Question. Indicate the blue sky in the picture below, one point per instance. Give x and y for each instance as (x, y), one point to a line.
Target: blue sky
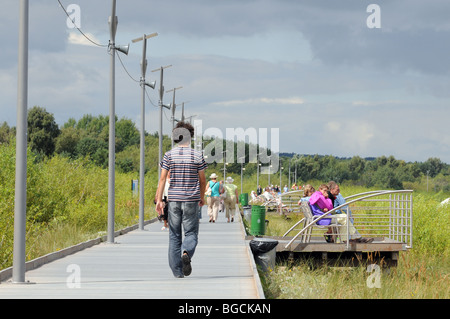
(312, 69)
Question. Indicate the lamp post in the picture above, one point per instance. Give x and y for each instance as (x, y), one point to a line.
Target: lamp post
(224, 165)
(112, 121)
(173, 108)
(257, 169)
(20, 208)
(142, 142)
(182, 111)
(289, 183)
(161, 105)
(270, 165)
(242, 169)
(281, 169)
(296, 173)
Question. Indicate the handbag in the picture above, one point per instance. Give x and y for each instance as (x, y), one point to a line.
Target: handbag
(209, 190)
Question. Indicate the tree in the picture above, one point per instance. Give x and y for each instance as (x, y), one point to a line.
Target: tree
(42, 131)
(6, 133)
(67, 141)
(433, 165)
(356, 167)
(386, 177)
(126, 134)
(96, 149)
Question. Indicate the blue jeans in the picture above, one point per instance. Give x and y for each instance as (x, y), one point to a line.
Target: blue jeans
(182, 214)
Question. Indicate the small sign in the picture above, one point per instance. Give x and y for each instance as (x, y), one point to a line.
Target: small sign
(135, 186)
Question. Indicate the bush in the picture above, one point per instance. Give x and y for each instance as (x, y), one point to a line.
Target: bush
(64, 194)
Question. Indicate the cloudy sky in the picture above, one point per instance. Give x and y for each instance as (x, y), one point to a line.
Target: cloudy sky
(331, 76)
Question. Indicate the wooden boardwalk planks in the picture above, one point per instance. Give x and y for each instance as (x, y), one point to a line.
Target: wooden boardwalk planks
(136, 266)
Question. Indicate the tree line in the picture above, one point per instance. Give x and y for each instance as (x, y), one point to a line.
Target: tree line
(88, 138)
(385, 172)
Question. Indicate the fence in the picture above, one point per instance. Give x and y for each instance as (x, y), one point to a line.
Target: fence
(384, 215)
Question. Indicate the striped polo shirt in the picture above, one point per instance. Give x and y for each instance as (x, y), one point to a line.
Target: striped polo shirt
(184, 163)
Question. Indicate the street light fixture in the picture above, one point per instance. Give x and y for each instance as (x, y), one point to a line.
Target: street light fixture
(161, 105)
(112, 120)
(190, 118)
(142, 142)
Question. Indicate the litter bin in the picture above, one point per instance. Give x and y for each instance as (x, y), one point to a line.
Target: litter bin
(265, 253)
(248, 214)
(258, 221)
(243, 199)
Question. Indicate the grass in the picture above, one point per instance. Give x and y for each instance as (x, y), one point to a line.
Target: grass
(67, 203)
(58, 237)
(422, 272)
(414, 277)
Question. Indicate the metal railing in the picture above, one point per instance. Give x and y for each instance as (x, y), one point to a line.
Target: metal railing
(283, 203)
(387, 214)
(289, 202)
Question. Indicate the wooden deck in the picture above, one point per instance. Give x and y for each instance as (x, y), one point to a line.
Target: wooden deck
(136, 266)
(382, 250)
(320, 245)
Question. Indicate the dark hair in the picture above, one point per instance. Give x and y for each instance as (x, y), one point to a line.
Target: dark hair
(183, 132)
(332, 185)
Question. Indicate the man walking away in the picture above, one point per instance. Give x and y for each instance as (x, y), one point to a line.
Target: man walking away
(186, 192)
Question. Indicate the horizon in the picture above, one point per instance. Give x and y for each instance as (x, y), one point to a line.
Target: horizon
(279, 154)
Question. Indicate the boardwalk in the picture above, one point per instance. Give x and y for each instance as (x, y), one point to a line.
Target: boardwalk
(136, 266)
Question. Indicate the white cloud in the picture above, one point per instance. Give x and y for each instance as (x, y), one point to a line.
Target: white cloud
(377, 103)
(262, 100)
(351, 136)
(79, 39)
(381, 92)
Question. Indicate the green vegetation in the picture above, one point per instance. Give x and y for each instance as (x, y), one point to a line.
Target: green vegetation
(423, 272)
(67, 202)
(414, 278)
(88, 137)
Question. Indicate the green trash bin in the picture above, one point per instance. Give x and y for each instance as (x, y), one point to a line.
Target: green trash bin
(243, 199)
(258, 221)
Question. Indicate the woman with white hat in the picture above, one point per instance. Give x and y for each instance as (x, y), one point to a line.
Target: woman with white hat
(231, 199)
(213, 192)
